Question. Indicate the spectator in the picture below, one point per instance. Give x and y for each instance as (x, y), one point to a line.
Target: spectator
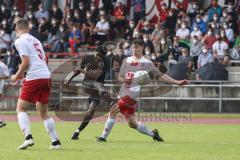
(148, 42)
(47, 4)
(229, 33)
(56, 13)
(176, 48)
(5, 25)
(171, 21)
(5, 40)
(215, 8)
(201, 24)
(120, 17)
(64, 34)
(94, 12)
(108, 6)
(4, 13)
(87, 28)
(178, 25)
(115, 70)
(68, 11)
(139, 9)
(209, 39)
(224, 37)
(30, 16)
(183, 33)
(157, 33)
(102, 29)
(195, 49)
(43, 29)
(41, 13)
(129, 30)
(186, 58)
(205, 57)
(192, 9)
(34, 29)
(11, 60)
(115, 59)
(204, 15)
(3, 75)
(127, 49)
(80, 14)
(118, 55)
(147, 28)
(196, 32)
(220, 48)
(232, 11)
(232, 24)
(148, 53)
(163, 14)
(76, 18)
(223, 19)
(137, 34)
(216, 19)
(184, 17)
(75, 38)
(53, 37)
(215, 28)
(163, 51)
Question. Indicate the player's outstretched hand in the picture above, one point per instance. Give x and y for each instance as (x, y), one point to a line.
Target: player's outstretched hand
(66, 84)
(183, 82)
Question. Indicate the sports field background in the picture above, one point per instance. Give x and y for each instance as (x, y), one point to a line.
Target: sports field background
(184, 141)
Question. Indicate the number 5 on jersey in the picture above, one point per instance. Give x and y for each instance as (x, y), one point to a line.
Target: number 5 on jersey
(39, 52)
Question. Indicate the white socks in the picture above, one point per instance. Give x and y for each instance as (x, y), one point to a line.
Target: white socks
(108, 127)
(24, 123)
(50, 127)
(144, 130)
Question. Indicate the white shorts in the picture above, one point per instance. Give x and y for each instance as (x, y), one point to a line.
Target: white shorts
(1, 86)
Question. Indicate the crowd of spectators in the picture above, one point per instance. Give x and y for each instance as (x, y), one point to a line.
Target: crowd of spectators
(195, 36)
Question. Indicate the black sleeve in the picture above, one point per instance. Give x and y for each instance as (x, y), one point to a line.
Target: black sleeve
(84, 62)
(102, 74)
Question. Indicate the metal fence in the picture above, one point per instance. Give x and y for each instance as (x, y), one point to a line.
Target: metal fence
(213, 84)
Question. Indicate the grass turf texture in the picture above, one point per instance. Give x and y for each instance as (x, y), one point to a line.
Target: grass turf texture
(183, 142)
(194, 115)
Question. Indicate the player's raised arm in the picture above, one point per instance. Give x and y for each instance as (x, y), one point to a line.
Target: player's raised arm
(76, 72)
(166, 78)
(121, 75)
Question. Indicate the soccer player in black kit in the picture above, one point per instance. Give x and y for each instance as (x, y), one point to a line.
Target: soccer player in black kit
(94, 68)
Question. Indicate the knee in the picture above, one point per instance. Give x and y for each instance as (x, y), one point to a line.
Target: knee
(44, 115)
(91, 111)
(20, 109)
(112, 114)
(132, 125)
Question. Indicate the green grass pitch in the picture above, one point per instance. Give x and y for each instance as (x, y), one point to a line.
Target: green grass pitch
(183, 142)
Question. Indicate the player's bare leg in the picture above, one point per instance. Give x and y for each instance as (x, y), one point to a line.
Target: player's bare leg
(87, 118)
(109, 123)
(142, 128)
(49, 125)
(24, 123)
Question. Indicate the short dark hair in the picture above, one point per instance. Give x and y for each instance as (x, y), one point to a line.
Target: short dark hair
(138, 42)
(22, 24)
(101, 51)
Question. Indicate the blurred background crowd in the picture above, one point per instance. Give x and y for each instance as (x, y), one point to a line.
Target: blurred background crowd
(194, 36)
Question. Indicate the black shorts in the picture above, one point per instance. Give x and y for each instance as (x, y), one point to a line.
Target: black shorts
(94, 89)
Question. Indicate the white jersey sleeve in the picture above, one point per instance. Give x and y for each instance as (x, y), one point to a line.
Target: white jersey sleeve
(21, 48)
